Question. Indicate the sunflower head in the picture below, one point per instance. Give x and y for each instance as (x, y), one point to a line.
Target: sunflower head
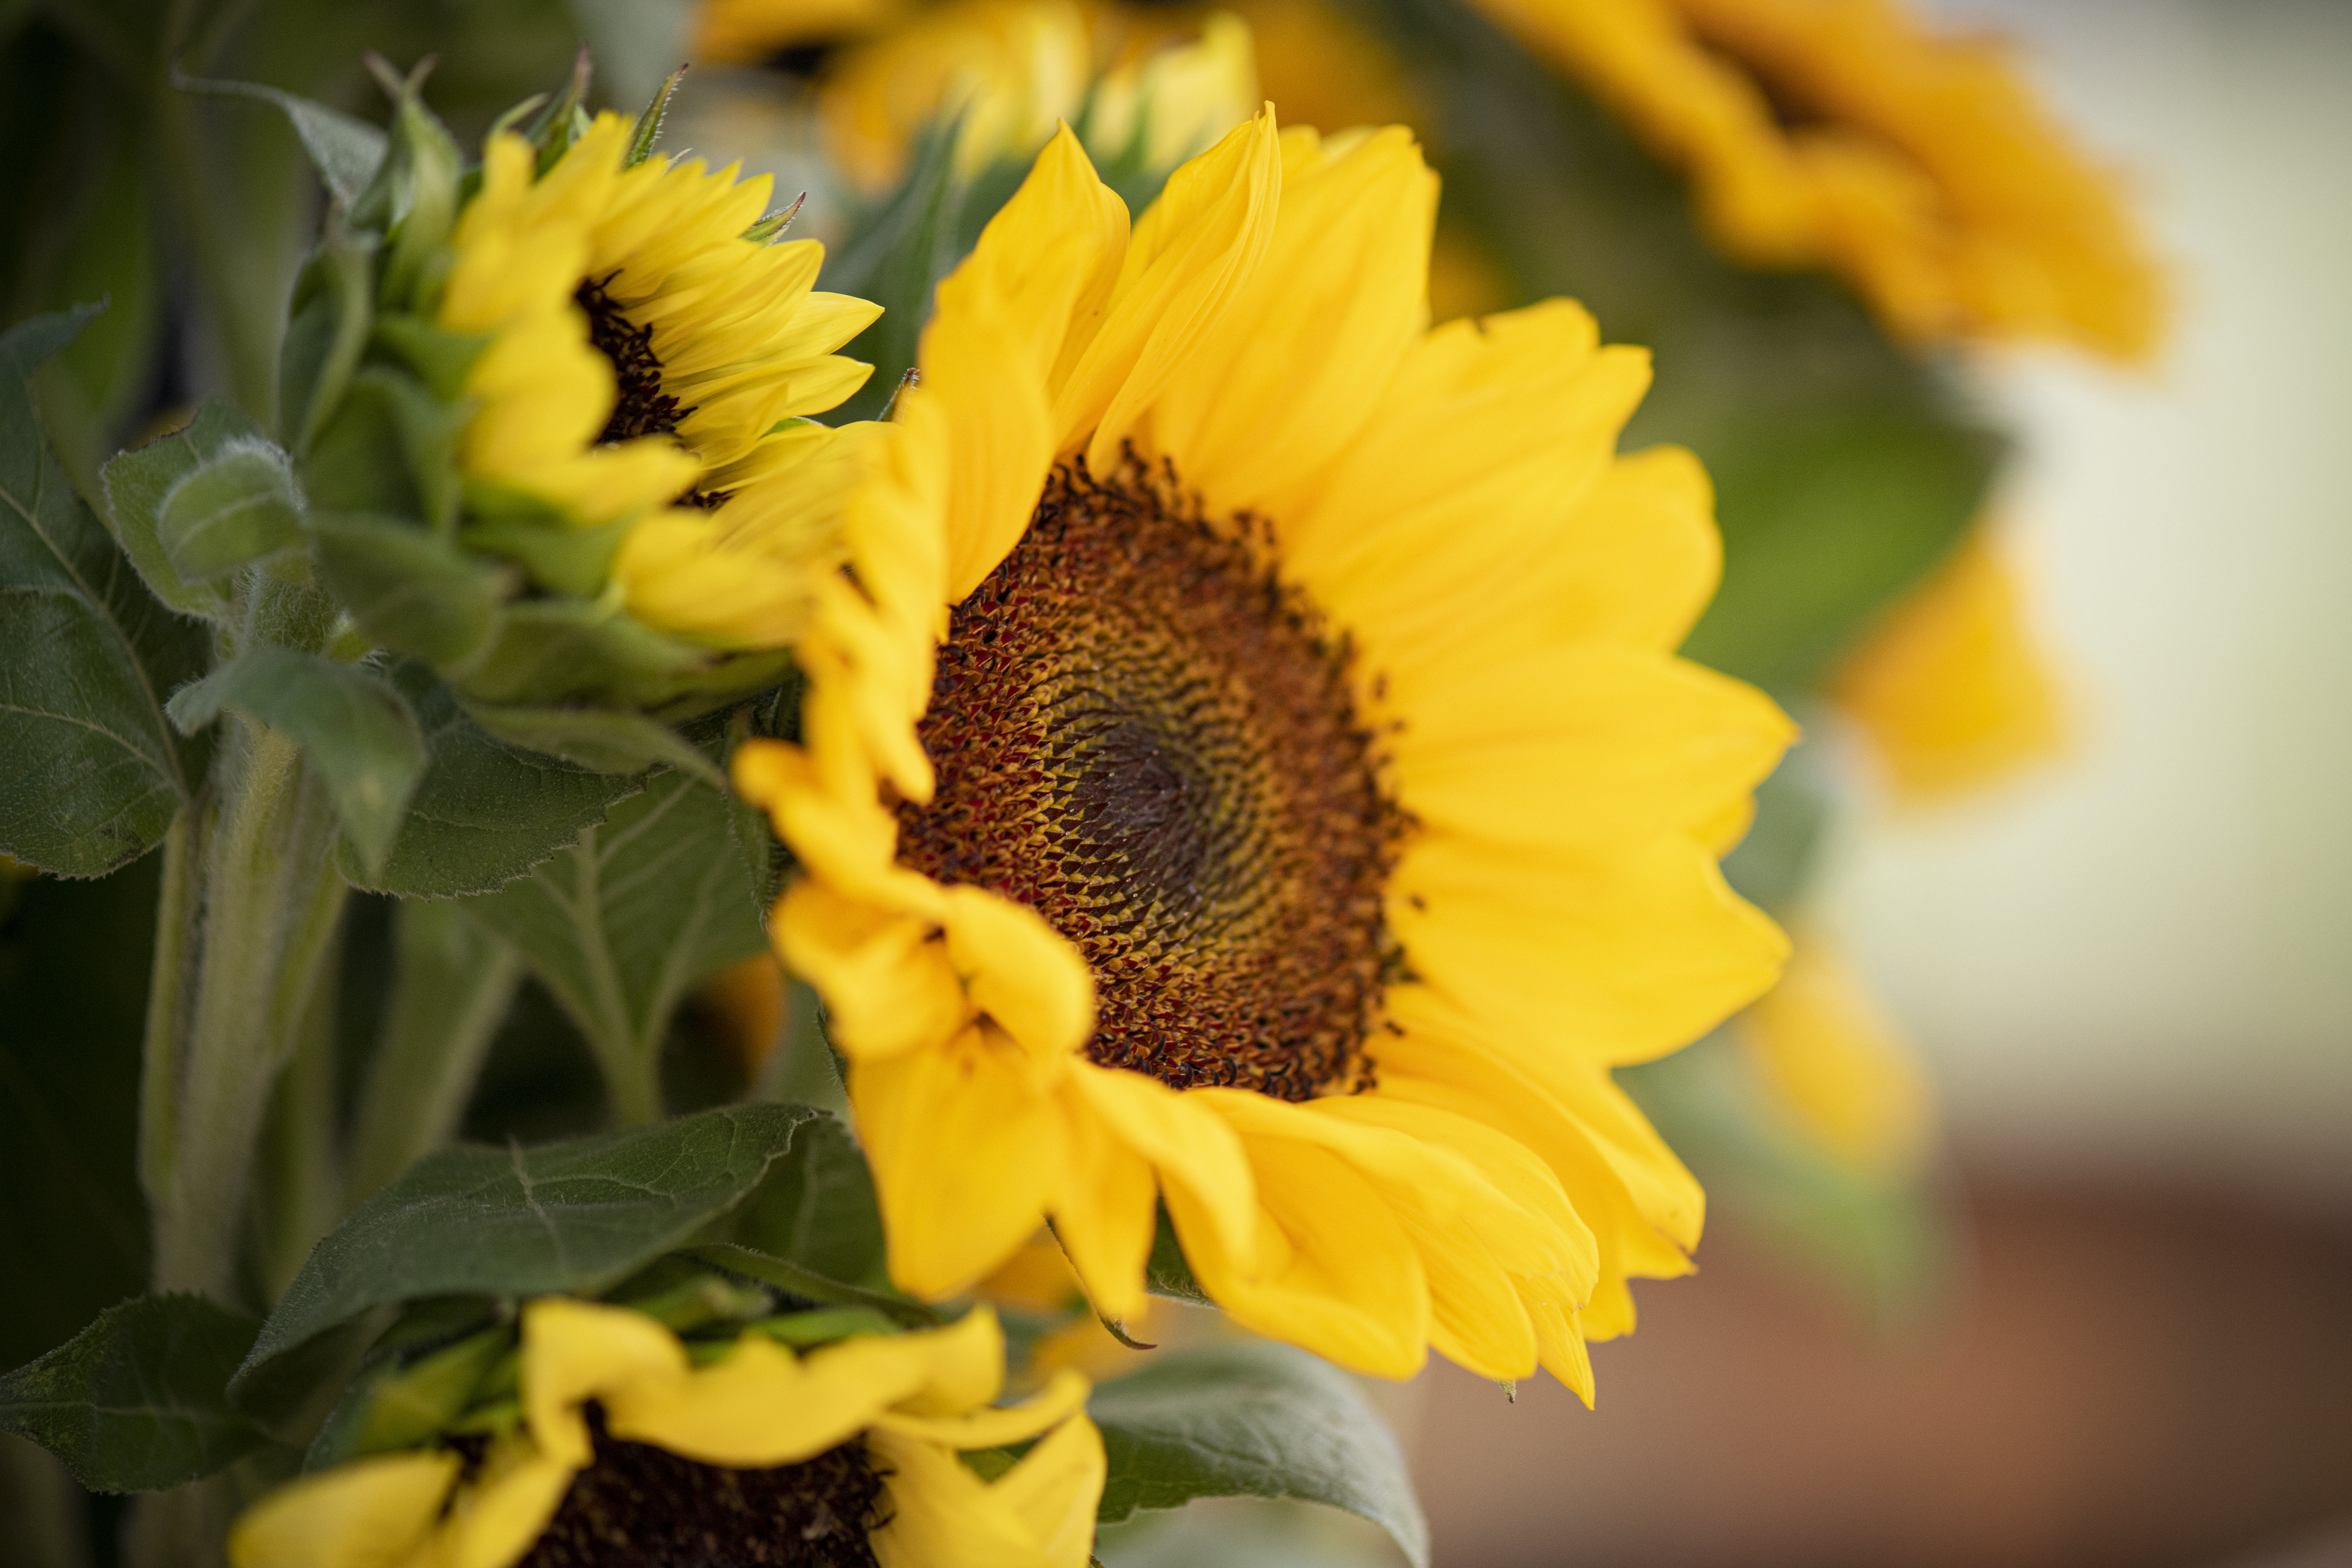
(1246, 772)
(570, 459)
(1843, 133)
(602, 1436)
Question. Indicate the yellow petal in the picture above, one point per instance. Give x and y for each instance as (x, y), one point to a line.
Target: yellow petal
(1104, 1213)
(573, 1352)
(885, 978)
(1063, 1395)
(761, 1406)
(370, 1514)
(1196, 247)
(967, 1151)
(1191, 1149)
(1021, 971)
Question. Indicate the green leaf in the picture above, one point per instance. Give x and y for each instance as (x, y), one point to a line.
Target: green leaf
(137, 1401)
(326, 329)
(345, 150)
(136, 483)
(817, 1209)
(412, 590)
(574, 1217)
(235, 507)
(1253, 1419)
(895, 255)
(645, 906)
(485, 812)
(603, 741)
(93, 775)
(1168, 1272)
(352, 727)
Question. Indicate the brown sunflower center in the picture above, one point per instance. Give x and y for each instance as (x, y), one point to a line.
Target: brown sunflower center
(1142, 735)
(640, 405)
(643, 1507)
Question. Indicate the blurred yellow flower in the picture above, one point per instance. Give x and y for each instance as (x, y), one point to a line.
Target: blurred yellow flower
(1848, 1083)
(621, 1432)
(647, 366)
(1840, 132)
(1310, 810)
(1951, 689)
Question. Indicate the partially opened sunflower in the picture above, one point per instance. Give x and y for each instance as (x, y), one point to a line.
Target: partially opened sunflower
(627, 1451)
(649, 362)
(1272, 791)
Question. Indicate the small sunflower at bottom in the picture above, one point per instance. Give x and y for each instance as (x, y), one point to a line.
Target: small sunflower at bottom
(1304, 810)
(633, 1447)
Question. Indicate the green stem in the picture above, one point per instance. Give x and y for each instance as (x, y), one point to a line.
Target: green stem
(270, 900)
(631, 1064)
(453, 983)
(300, 1194)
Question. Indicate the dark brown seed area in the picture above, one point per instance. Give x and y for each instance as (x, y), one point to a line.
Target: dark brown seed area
(642, 408)
(1143, 736)
(642, 1507)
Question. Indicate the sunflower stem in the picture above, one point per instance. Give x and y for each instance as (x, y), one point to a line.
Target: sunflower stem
(244, 939)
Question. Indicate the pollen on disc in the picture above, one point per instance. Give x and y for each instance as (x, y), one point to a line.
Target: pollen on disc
(1143, 735)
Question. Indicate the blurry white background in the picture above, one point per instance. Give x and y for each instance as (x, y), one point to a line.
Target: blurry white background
(2140, 959)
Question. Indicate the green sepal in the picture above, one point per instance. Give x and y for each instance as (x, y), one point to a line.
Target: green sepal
(414, 196)
(602, 739)
(404, 1402)
(561, 555)
(441, 358)
(359, 460)
(136, 482)
(1252, 1419)
(426, 430)
(352, 727)
(895, 255)
(685, 1296)
(823, 1326)
(556, 127)
(550, 651)
(413, 591)
(647, 130)
(326, 329)
(237, 506)
(1168, 1272)
(138, 1400)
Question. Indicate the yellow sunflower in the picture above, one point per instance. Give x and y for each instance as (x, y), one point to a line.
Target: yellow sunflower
(649, 368)
(1272, 791)
(846, 1455)
(1839, 133)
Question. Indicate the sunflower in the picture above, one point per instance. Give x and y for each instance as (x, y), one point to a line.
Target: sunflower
(846, 1455)
(1839, 133)
(1135, 86)
(1304, 809)
(648, 363)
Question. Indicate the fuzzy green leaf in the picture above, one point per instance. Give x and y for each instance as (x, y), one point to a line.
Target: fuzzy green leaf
(411, 589)
(352, 727)
(138, 1400)
(485, 812)
(237, 506)
(577, 1217)
(817, 1209)
(602, 739)
(90, 773)
(343, 149)
(643, 907)
(1253, 1419)
(137, 482)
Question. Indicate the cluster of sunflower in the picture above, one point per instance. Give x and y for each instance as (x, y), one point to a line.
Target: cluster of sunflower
(746, 868)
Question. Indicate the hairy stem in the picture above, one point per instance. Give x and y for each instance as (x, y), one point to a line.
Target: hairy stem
(268, 897)
(453, 983)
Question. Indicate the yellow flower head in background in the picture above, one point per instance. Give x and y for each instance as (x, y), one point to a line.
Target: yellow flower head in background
(622, 1431)
(1309, 811)
(649, 367)
(1013, 69)
(1838, 132)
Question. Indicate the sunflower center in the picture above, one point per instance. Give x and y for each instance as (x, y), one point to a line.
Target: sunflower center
(640, 405)
(637, 1506)
(1142, 735)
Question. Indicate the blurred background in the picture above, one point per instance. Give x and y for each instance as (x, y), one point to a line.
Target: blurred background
(2129, 969)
